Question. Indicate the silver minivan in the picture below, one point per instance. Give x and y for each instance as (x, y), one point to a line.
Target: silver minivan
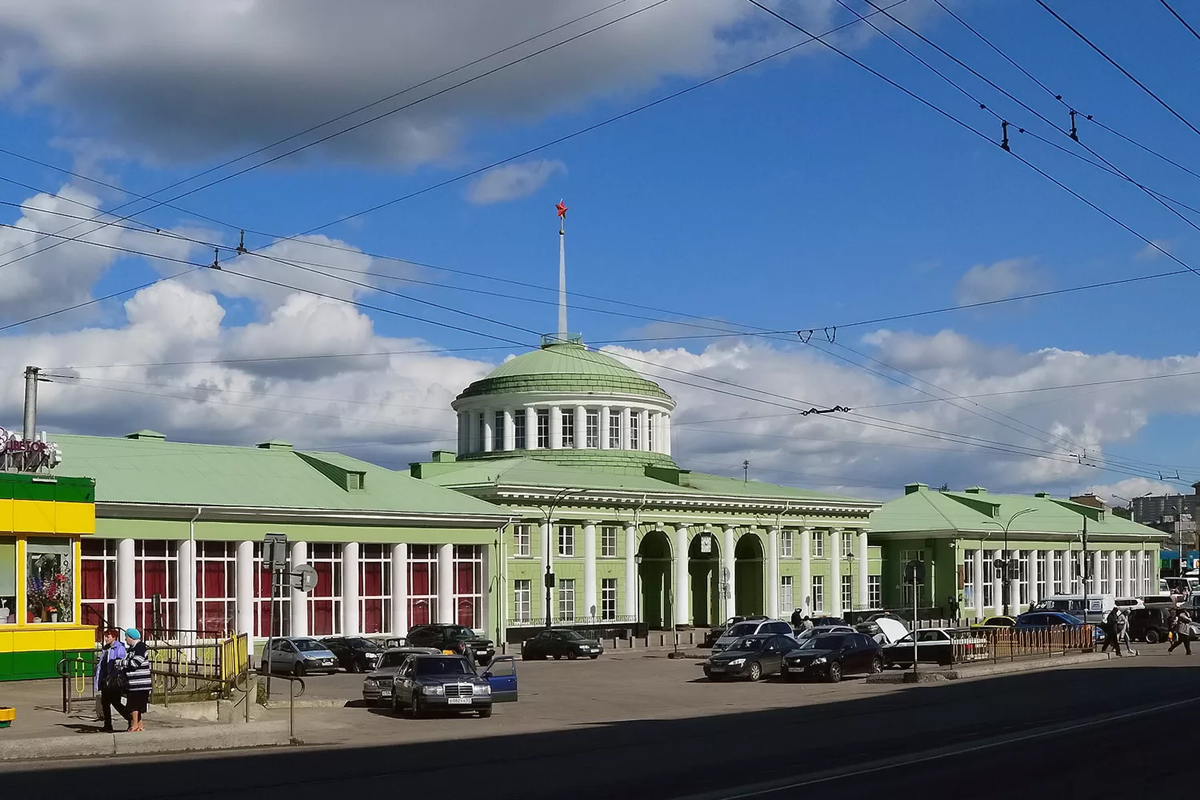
(751, 627)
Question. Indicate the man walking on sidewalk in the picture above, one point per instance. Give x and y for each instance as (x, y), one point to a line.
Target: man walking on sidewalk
(109, 681)
(1183, 632)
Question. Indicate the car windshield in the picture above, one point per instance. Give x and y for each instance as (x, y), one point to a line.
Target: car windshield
(443, 666)
(743, 629)
(749, 643)
(308, 645)
(569, 635)
(393, 659)
(460, 632)
(360, 644)
(823, 643)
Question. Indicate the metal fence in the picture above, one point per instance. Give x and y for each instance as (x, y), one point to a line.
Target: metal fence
(1009, 644)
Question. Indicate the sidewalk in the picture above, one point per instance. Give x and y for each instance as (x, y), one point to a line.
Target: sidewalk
(983, 669)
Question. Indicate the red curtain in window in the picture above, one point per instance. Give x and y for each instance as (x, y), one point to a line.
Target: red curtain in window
(418, 612)
(370, 583)
(466, 611)
(210, 581)
(320, 621)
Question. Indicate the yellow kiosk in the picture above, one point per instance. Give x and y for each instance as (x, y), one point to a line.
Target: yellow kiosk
(42, 518)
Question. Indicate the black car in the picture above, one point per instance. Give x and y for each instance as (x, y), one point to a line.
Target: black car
(560, 643)
(820, 621)
(426, 683)
(750, 657)
(452, 638)
(354, 653)
(832, 655)
(1150, 625)
(718, 631)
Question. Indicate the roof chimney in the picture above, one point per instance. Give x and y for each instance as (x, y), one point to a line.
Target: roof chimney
(913, 488)
(975, 490)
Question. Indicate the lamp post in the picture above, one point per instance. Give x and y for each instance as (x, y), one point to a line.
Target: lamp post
(637, 559)
(1005, 562)
(549, 514)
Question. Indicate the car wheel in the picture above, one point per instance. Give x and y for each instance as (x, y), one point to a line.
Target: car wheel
(571, 656)
(1151, 636)
(298, 670)
(484, 713)
(835, 672)
(755, 671)
(417, 711)
(876, 665)
(262, 668)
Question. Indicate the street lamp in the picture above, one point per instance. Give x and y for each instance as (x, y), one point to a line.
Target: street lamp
(549, 513)
(637, 624)
(1005, 563)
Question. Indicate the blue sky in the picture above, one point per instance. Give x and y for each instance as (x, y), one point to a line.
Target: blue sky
(803, 193)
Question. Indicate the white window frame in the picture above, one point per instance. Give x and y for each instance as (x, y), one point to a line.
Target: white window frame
(968, 579)
(787, 593)
(989, 569)
(1105, 574)
(469, 554)
(371, 553)
(608, 598)
(543, 428)
(818, 593)
(567, 429)
(519, 432)
(108, 601)
(818, 544)
(614, 430)
(335, 591)
(522, 600)
(634, 438)
(566, 600)
(608, 541)
(847, 593)
(592, 426)
(566, 541)
(498, 431)
(224, 553)
(874, 591)
(785, 544)
(847, 543)
(522, 539)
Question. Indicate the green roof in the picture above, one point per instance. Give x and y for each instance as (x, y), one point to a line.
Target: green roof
(564, 366)
(921, 511)
(154, 471)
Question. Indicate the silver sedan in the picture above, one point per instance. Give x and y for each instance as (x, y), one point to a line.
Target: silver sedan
(377, 686)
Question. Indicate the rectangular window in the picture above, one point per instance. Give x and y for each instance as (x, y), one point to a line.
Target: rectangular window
(498, 431)
(875, 591)
(818, 593)
(1119, 578)
(847, 543)
(268, 622)
(1023, 577)
(49, 581)
(1056, 571)
(787, 599)
(593, 430)
(568, 428)
(566, 600)
(522, 597)
(374, 588)
(468, 585)
(1043, 574)
(608, 541)
(905, 557)
(608, 598)
(614, 430)
(521, 539)
(1105, 575)
(650, 433)
(8, 581)
(422, 583)
(97, 582)
(480, 425)
(543, 430)
(1076, 574)
(785, 544)
(968, 579)
(989, 589)
(818, 544)
(634, 421)
(216, 592)
(847, 593)
(519, 430)
(156, 572)
(1135, 574)
(566, 541)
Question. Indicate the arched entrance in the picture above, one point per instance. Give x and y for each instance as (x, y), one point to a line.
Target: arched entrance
(748, 575)
(704, 566)
(654, 573)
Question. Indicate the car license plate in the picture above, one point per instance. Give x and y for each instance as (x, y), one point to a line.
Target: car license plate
(716, 669)
(385, 692)
(459, 701)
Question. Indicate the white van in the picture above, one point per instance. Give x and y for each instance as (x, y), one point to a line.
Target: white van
(1098, 605)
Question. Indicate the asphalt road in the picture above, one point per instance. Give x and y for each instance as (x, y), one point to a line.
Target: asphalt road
(1037, 733)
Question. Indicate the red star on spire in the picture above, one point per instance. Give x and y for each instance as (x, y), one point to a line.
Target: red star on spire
(562, 209)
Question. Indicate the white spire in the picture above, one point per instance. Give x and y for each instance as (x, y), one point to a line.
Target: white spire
(562, 271)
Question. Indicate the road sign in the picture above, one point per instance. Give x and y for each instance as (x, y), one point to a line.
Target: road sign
(275, 551)
(304, 578)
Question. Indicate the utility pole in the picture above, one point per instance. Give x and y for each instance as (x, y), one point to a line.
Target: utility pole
(1085, 569)
(31, 382)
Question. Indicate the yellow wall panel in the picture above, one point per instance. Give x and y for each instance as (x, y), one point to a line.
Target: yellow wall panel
(75, 639)
(28, 640)
(34, 516)
(75, 518)
(6, 516)
(6, 641)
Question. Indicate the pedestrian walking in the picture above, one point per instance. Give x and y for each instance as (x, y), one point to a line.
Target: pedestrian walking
(954, 607)
(108, 682)
(807, 623)
(1110, 631)
(797, 619)
(1123, 631)
(137, 672)
(1183, 632)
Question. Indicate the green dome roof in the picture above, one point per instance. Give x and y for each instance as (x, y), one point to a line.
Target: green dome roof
(564, 367)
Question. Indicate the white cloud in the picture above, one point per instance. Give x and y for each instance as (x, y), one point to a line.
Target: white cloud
(513, 181)
(1130, 488)
(1158, 248)
(1003, 279)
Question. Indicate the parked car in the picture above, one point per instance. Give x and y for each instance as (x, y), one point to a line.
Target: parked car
(883, 628)
(715, 633)
(298, 655)
(354, 653)
(751, 627)
(560, 643)
(450, 638)
(429, 683)
(1040, 620)
(823, 621)
(1128, 604)
(1098, 605)
(933, 645)
(996, 622)
(750, 657)
(1150, 625)
(832, 655)
(824, 629)
(377, 686)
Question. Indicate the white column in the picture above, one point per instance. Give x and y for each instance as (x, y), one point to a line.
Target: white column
(589, 569)
(626, 414)
(555, 428)
(399, 589)
(510, 429)
(445, 584)
(980, 611)
(489, 432)
(547, 565)
(1127, 574)
(728, 547)
(473, 443)
(126, 586)
(1034, 566)
(299, 604)
(806, 535)
(682, 599)
(773, 572)
(643, 430)
(666, 448)
(580, 429)
(997, 584)
(652, 437)
(1112, 572)
(1095, 587)
(244, 590)
(531, 431)
(605, 414)
(631, 577)
(835, 572)
(350, 621)
(463, 442)
(1144, 587)
(187, 601)
(863, 557)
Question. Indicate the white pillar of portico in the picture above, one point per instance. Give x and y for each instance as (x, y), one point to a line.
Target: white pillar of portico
(666, 435)
(350, 621)
(547, 566)
(977, 559)
(580, 430)
(510, 429)
(399, 589)
(1035, 565)
(126, 587)
(806, 535)
(863, 558)
(1127, 574)
(244, 590)
(489, 434)
(555, 428)
(682, 599)
(727, 557)
(186, 555)
(531, 430)
(463, 429)
(773, 571)
(631, 577)
(652, 437)
(1112, 572)
(643, 429)
(835, 572)
(299, 599)
(589, 569)
(1095, 587)
(445, 584)
(626, 415)
(605, 415)
(997, 584)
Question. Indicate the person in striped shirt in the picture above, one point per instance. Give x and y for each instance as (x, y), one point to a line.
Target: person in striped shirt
(137, 671)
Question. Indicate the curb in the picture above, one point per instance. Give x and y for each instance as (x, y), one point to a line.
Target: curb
(984, 671)
(315, 702)
(178, 740)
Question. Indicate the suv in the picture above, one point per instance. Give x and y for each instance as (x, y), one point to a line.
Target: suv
(452, 638)
(1150, 625)
(715, 632)
(354, 653)
(751, 627)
